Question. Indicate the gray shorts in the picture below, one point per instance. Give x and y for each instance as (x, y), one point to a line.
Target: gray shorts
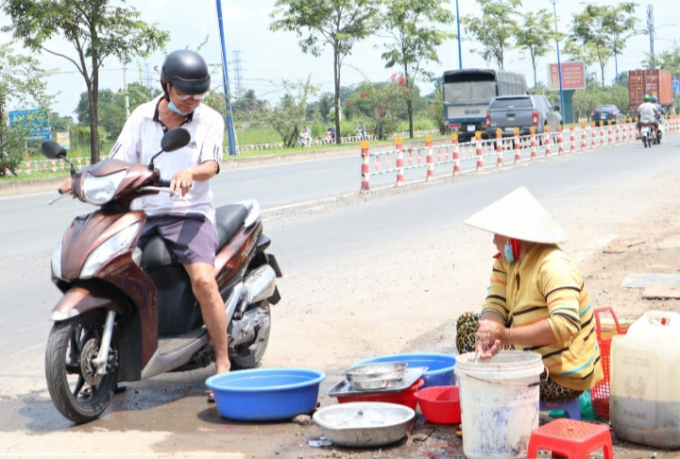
(192, 237)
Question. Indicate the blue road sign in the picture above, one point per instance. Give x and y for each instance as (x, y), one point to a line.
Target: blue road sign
(37, 121)
(676, 87)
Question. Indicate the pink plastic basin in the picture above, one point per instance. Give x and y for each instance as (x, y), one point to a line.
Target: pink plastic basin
(440, 404)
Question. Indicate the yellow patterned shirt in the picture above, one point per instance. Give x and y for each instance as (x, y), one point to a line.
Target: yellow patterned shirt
(547, 285)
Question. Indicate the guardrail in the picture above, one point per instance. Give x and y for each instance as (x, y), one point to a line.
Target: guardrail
(489, 153)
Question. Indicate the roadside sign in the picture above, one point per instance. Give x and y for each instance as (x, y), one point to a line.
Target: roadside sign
(676, 87)
(63, 139)
(37, 121)
(573, 76)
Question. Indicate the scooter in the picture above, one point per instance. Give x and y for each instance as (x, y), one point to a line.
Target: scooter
(129, 314)
(660, 130)
(645, 133)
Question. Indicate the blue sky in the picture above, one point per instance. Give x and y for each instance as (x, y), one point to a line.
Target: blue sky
(266, 56)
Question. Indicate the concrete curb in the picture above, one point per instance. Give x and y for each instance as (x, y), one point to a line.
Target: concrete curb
(51, 184)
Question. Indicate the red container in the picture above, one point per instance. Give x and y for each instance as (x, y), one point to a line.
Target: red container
(405, 397)
(653, 82)
(440, 404)
(599, 395)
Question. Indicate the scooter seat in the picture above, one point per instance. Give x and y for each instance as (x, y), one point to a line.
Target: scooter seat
(228, 220)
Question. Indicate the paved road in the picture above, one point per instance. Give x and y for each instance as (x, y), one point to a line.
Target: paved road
(306, 243)
(30, 218)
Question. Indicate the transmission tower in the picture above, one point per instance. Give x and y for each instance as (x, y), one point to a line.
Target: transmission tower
(147, 75)
(650, 30)
(237, 74)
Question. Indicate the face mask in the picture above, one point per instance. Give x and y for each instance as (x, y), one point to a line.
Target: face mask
(508, 253)
(172, 107)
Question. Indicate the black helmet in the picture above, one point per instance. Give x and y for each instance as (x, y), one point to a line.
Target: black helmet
(187, 71)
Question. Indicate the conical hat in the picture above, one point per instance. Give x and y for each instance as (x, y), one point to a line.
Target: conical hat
(520, 216)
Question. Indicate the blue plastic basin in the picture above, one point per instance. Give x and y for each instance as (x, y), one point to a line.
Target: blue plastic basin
(267, 394)
(439, 366)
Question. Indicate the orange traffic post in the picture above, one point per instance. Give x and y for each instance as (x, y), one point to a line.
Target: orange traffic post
(584, 138)
(572, 139)
(456, 154)
(499, 147)
(560, 140)
(430, 162)
(532, 130)
(547, 141)
(478, 143)
(365, 167)
(518, 153)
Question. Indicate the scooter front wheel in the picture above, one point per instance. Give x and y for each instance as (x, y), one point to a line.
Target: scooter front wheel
(78, 392)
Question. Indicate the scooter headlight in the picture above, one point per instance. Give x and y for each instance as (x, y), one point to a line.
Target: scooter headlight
(99, 190)
(56, 261)
(111, 247)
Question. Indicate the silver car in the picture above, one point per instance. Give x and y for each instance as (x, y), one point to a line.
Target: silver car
(524, 112)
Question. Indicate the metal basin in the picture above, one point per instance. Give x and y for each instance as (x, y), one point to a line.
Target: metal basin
(364, 424)
(373, 376)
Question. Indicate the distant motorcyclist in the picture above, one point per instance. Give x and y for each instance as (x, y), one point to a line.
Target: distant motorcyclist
(658, 106)
(648, 112)
(360, 131)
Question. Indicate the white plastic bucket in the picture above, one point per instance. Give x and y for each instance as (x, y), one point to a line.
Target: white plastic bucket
(499, 403)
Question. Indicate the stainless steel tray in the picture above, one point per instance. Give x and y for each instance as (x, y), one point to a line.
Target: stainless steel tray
(344, 388)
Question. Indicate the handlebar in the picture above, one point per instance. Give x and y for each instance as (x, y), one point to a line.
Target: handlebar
(165, 183)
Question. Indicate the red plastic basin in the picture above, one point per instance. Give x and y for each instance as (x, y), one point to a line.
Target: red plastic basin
(407, 397)
(440, 404)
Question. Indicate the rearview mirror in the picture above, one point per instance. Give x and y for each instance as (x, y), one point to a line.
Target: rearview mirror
(557, 108)
(53, 150)
(175, 139)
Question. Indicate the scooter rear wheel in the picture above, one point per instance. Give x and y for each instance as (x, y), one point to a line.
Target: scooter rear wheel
(76, 390)
(248, 355)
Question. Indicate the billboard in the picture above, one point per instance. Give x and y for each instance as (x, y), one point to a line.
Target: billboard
(36, 120)
(64, 139)
(573, 76)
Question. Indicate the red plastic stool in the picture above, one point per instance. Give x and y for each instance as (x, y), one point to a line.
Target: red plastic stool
(574, 439)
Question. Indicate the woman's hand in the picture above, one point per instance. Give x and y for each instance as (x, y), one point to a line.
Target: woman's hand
(491, 336)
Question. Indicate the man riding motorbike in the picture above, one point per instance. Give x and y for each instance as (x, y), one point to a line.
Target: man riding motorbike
(648, 112)
(185, 219)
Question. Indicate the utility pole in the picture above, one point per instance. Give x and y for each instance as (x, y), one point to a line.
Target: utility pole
(237, 71)
(125, 90)
(460, 50)
(650, 30)
(559, 64)
(225, 78)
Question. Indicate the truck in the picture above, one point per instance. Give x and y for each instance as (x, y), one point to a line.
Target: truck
(468, 92)
(654, 82)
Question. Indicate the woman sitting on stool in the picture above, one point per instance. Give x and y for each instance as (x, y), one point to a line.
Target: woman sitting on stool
(537, 300)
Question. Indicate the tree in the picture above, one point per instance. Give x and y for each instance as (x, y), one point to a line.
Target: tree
(382, 103)
(435, 112)
(290, 116)
(337, 23)
(22, 83)
(60, 123)
(111, 107)
(537, 36)
(605, 30)
(414, 40)
(495, 29)
(668, 60)
(96, 29)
